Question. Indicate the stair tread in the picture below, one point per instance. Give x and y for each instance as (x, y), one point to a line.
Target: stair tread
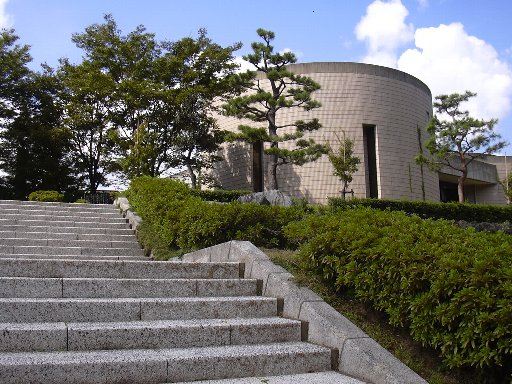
(196, 353)
(146, 323)
(330, 377)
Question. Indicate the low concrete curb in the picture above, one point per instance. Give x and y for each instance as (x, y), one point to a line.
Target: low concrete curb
(127, 212)
(359, 355)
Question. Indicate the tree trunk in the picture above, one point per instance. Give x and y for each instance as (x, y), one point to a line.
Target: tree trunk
(463, 175)
(460, 185)
(193, 178)
(272, 130)
(273, 173)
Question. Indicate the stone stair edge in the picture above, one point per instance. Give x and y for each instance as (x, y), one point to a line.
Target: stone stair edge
(154, 334)
(50, 204)
(163, 365)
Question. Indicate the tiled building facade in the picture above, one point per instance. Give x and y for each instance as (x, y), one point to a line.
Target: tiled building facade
(383, 110)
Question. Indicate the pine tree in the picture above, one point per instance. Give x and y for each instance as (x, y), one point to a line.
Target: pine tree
(263, 101)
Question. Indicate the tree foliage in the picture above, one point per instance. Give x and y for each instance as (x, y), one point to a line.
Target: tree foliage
(157, 99)
(263, 100)
(457, 139)
(202, 72)
(33, 145)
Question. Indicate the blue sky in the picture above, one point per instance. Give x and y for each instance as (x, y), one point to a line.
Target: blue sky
(451, 45)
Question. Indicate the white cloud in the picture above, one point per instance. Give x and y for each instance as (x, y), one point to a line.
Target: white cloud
(244, 65)
(298, 54)
(5, 19)
(449, 60)
(384, 30)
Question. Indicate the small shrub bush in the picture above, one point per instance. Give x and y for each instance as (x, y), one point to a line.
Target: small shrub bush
(432, 210)
(451, 286)
(175, 218)
(46, 196)
(81, 201)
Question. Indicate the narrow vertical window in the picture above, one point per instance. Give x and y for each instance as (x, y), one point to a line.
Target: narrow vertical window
(370, 155)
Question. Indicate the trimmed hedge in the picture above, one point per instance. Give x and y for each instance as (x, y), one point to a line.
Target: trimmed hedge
(219, 195)
(432, 210)
(46, 196)
(175, 219)
(451, 286)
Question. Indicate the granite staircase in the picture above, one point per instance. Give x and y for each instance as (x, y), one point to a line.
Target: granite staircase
(80, 303)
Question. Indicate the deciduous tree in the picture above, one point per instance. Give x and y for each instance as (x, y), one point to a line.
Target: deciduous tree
(87, 100)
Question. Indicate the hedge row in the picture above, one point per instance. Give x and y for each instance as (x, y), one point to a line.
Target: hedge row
(432, 210)
(451, 286)
(46, 196)
(175, 219)
(219, 195)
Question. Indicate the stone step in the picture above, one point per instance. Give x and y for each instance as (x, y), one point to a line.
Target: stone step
(38, 337)
(71, 218)
(303, 378)
(48, 250)
(6, 224)
(129, 237)
(27, 287)
(71, 257)
(124, 230)
(45, 212)
(37, 310)
(162, 365)
(15, 267)
(9, 241)
(55, 206)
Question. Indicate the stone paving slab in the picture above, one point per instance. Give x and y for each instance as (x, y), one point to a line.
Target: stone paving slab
(60, 336)
(54, 250)
(114, 214)
(128, 238)
(27, 215)
(59, 243)
(163, 365)
(49, 229)
(28, 287)
(26, 310)
(15, 267)
(71, 207)
(9, 223)
(38, 256)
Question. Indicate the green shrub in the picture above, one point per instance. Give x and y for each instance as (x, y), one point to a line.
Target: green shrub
(81, 201)
(432, 210)
(175, 218)
(47, 196)
(452, 287)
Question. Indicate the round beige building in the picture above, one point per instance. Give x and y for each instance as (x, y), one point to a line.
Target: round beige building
(383, 110)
